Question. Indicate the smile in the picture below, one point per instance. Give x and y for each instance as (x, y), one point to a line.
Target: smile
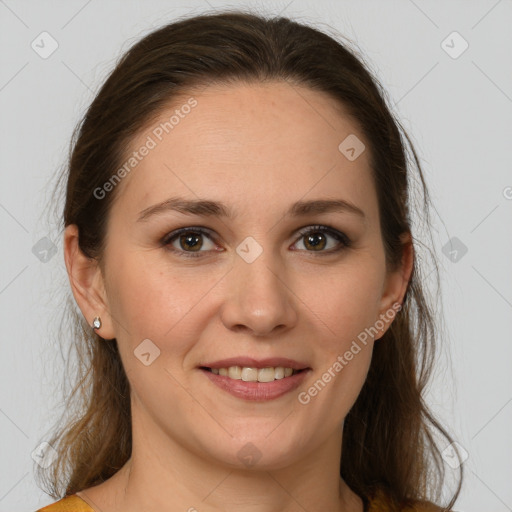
(245, 384)
(248, 374)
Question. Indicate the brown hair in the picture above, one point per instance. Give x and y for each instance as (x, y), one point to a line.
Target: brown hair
(388, 439)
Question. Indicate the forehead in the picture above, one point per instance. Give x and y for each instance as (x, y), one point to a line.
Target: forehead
(263, 143)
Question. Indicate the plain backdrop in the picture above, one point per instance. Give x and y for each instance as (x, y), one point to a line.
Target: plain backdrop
(447, 67)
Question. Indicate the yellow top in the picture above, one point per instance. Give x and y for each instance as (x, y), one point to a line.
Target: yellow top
(71, 503)
(380, 503)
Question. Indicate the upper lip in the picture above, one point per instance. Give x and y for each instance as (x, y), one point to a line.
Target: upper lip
(256, 363)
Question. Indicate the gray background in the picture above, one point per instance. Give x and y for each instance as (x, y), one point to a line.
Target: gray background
(457, 111)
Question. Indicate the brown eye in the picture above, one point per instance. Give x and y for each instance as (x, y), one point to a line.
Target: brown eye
(188, 242)
(316, 239)
(191, 241)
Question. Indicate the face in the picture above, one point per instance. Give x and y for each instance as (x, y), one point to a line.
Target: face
(266, 281)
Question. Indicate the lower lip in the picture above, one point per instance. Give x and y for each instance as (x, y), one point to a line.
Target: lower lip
(260, 391)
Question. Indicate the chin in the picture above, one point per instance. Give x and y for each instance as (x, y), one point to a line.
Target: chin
(260, 451)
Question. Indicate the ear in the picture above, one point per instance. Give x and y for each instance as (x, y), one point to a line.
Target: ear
(87, 283)
(395, 286)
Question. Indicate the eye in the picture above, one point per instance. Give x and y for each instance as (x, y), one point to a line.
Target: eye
(188, 242)
(316, 237)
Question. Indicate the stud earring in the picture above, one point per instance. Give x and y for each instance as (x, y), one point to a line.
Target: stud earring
(96, 323)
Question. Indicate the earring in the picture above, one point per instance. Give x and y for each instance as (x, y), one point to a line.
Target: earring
(96, 324)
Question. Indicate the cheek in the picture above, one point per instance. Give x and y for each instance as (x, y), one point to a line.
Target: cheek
(169, 307)
(336, 385)
(344, 308)
(147, 301)
(343, 304)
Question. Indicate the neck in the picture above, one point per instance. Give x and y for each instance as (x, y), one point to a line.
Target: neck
(164, 475)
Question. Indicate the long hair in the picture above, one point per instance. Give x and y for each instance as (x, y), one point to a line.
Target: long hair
(389, 434)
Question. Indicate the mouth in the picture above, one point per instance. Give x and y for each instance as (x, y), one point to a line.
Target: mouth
(256, 384)
(252, 374)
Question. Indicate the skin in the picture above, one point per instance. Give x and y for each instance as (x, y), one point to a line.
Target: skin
(258, 148)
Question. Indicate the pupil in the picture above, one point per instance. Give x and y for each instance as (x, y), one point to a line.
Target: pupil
(311, 238)
(189, 240)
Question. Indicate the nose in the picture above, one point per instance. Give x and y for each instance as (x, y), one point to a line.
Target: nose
(259, 300)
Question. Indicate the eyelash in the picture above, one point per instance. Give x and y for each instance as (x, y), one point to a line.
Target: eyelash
(339, 236)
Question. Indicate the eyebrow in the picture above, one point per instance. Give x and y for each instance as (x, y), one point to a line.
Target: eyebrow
(218, 209)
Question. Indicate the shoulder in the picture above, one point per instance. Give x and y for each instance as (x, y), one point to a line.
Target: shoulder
(71, 503)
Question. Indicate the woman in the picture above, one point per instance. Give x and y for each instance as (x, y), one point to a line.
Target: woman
(238, 240)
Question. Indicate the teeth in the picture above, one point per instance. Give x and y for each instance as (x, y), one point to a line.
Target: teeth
(279, 372)
(248, 374)
(235, 372)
